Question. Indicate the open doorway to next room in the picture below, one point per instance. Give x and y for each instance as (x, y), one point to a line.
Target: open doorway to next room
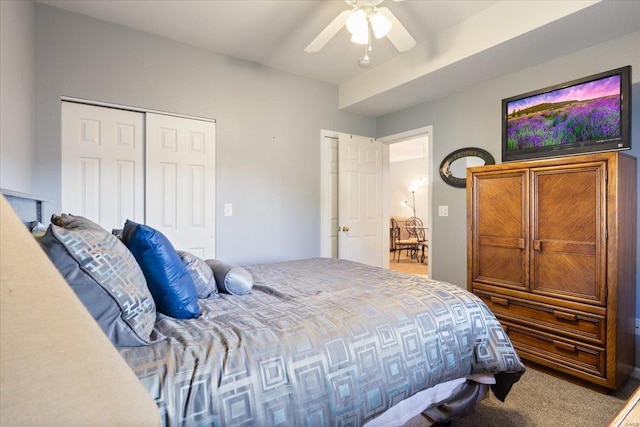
(409, 205)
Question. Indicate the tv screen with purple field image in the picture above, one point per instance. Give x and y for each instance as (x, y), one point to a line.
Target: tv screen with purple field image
(584, 115)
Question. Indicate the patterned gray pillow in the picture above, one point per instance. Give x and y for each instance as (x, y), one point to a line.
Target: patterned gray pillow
(105, 276)
(201, 274)
(231, 279)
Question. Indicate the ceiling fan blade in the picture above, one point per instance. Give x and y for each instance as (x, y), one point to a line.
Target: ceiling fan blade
(328, 32)
(398, 35)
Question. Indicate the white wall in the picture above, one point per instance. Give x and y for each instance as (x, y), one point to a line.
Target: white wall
(401, 174)
(17, 68)
(268, 124)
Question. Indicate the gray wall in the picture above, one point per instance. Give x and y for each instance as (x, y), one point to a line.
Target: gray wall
(268, 124)
(471, 117)
(17, 68)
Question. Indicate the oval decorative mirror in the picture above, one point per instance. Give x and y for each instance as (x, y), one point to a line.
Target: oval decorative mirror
(453, 169)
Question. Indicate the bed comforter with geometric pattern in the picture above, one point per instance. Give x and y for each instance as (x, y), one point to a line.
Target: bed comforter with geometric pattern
(319, 342)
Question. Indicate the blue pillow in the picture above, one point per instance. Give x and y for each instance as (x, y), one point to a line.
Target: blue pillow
(169, 281)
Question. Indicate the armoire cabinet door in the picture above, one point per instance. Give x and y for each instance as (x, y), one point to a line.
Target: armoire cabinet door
(500, 228)
(568, 219)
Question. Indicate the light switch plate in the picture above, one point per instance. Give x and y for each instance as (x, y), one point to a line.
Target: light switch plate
(228, 209)
(443, 210)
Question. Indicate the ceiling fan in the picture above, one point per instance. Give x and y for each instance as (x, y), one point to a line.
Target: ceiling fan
(362, 20)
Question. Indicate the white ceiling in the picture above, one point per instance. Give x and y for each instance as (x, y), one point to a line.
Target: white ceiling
(460, 42)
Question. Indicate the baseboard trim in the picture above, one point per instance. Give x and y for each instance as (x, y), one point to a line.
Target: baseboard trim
(636, 373)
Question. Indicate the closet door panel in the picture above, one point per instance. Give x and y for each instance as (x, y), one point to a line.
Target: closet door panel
(88, 199)
(196, 203)
(126, 191)
(180, 181)
(102, 164)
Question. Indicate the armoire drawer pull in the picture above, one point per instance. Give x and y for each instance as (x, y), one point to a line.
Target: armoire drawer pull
(564, 346)
(565, 316)
(499, 301)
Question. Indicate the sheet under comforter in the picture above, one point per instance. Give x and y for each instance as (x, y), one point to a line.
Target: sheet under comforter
(319, 342)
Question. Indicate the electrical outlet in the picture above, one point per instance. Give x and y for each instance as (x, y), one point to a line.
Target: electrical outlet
(637, 330)
(443, 210)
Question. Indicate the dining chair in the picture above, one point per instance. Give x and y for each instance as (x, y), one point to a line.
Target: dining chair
(415, 229)
(399, 244)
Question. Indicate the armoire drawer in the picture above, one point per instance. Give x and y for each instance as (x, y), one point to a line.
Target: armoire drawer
(555, 351)
(575, 324)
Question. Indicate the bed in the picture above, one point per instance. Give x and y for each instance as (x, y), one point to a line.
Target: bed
(313, 342)
(322, 342)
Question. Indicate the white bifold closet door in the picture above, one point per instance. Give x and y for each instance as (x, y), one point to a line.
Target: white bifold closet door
(180, 181)
(102, 164)
(151, 168)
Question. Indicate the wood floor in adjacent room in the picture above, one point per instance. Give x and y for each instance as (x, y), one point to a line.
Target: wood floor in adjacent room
(407, 265)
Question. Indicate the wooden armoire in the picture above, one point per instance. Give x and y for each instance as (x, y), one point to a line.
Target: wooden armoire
(552, 251)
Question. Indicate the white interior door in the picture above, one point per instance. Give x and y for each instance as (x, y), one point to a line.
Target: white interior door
(102, 164)
(360, 199)
(180, 181)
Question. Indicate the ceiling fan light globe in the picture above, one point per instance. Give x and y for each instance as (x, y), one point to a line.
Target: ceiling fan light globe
(360, 38)
(380, 24)
(357, 22)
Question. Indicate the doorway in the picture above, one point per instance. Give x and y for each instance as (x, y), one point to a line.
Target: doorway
(328, 192)
(409, 189)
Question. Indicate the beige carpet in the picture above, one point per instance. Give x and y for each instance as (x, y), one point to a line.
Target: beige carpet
(542, 400)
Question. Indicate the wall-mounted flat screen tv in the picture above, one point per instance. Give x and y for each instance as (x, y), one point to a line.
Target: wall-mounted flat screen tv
(584, 115)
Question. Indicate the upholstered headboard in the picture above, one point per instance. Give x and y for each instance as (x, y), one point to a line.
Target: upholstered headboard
(27, 206)
(56, 364)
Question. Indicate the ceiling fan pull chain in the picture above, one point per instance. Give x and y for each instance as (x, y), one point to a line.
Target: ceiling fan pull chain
(365, 61)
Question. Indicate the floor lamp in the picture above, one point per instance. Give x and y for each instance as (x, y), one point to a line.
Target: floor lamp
(413, 196)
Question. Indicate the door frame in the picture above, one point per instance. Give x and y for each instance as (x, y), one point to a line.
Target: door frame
(131, 108)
